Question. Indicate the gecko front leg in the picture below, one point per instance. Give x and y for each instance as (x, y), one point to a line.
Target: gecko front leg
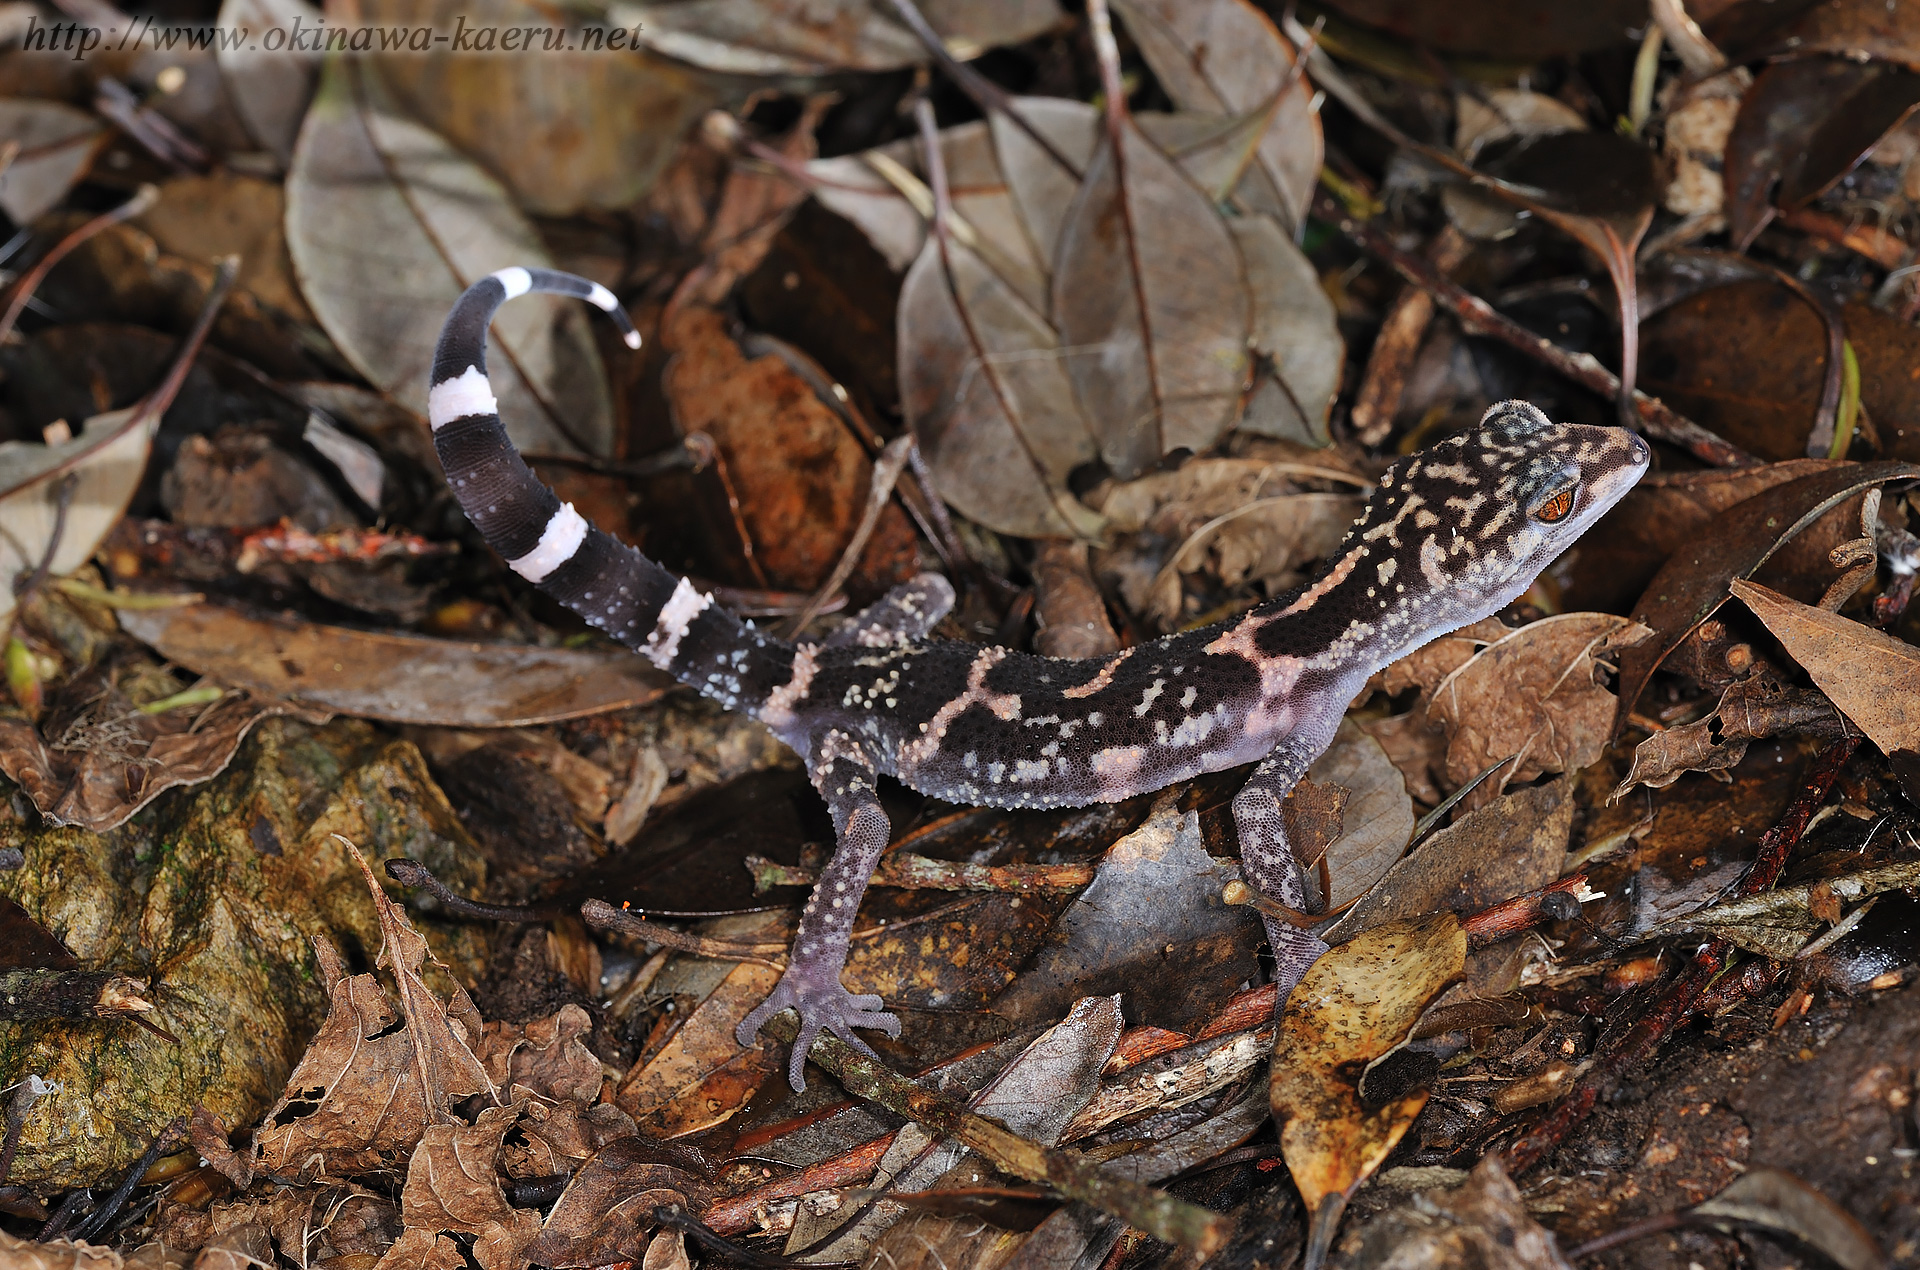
(1267, 862)
(811, 984)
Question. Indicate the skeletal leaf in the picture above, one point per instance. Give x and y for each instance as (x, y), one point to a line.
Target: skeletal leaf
(1152, 304)
(387, 224)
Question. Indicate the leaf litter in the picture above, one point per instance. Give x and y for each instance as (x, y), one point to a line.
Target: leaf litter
(1120, 287)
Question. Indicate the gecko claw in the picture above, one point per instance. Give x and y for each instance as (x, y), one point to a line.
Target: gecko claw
(824, 1005)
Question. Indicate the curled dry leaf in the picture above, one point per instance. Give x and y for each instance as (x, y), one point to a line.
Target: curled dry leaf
(547, 1056)
(606, 1212)
(115, 758)
(376, 1077)
(798, 37)
(1535, 695)
(388, 224)
(1354, 1004)
(1872, 677)
(1748, 710)
(57, 144)
(453, 1186)
(1226, 57)
(399, 678)
(1152, 305)
(1693, 582)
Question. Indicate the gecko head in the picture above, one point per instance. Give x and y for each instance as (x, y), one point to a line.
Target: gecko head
(1464, 526)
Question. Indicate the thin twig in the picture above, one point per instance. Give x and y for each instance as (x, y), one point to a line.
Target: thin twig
(1683, 996)
(886, 471)
(1155, 1212)
(603, 916)
(30, 281)
(1656, 418)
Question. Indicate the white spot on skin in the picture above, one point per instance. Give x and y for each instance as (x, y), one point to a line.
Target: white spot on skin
(467, 393)
(1431, 557)
(684, 605)
(1187, 698)
(1026, 770)
(1148, 697)
(558, 541)
(1387, 568)
(1116, 765)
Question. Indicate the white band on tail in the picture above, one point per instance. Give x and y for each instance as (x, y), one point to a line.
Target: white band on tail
(515, 281)
(467, 393)
(558, 541)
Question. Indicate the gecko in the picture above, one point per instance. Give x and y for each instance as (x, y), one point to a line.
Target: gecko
(1452, 534)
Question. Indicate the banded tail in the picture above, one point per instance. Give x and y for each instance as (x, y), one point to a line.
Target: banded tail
(616, 589)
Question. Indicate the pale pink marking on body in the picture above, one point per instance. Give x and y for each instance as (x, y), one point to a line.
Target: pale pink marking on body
(779, 707)
(1311, 596)
(1278, 673)
(1100, 680)
(1004, 705)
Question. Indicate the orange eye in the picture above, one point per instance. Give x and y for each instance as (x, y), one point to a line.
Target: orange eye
(1555, 509)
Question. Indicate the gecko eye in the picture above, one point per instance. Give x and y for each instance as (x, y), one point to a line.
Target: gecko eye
(1554, 508)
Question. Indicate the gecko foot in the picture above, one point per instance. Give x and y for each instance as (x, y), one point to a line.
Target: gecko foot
(824, 1005)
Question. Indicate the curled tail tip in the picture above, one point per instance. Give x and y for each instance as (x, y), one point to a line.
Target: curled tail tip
(516, 281)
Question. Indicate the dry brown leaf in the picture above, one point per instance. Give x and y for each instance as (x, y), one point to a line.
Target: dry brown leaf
(387, 224)
(568, 130)
(560, 1138)
(1354, 1004)
(606, 1211)
(1427, 665)
(1378, 821)
(269, 91)
(547, 1056)
(984, 385)
(788, 37)
(1873, 677)
(375, 1077)
(398, 678)
(1508, 847)
(422, 1250)
(119, 759)
(57, 1254)
(1748, 710)
(701, 1077)
(225, 213)
(800, 477)
(1152, 305)
(453, 1185)
(1535, 695)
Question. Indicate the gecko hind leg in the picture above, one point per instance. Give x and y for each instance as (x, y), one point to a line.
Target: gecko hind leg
(902, 615)
(811, 983)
